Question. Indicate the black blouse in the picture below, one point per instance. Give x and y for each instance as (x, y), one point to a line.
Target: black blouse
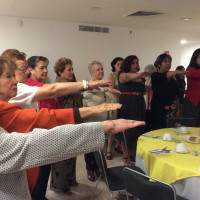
(164, 91)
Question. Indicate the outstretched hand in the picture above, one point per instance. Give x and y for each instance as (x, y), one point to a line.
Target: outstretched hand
(182, 72)
(106, 107)
(172, 74)
(120, 125)
(115, 92)
(144, 74)
(97, 84)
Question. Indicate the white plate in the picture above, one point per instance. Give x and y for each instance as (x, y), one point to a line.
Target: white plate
(169, 140)
(188, 132)
(187, 138)
(187, 151)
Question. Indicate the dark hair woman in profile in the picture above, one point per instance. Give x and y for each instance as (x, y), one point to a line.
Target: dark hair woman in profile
(191, 103)
(132, 87)
(38, 74)
(165, 92)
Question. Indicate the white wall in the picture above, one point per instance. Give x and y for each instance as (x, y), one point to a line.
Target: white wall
(186, 53)
(54, 39)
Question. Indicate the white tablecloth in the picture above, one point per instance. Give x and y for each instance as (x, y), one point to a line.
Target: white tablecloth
(188, 188)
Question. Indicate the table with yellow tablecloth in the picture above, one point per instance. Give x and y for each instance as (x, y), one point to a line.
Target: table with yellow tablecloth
(173, 167)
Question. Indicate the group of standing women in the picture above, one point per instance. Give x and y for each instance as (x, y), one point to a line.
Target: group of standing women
(63, 174)
(165, 95)
(20, 151)
(131, 83)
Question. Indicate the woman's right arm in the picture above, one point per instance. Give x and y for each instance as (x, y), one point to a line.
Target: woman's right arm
(14, 118)
(49, 91)
(41, 146)
(172, 74)
(95, 110)
(133, 77)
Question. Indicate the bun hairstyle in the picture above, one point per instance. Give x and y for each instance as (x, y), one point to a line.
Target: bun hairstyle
(113, 63)
(33, 60)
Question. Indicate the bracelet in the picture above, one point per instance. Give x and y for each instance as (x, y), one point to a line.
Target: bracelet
(85, 84)
(112, 127)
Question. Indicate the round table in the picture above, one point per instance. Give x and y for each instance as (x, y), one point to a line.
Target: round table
(180, 170)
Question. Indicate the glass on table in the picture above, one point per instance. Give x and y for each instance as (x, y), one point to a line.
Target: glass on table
(195, 149)
(177, 128)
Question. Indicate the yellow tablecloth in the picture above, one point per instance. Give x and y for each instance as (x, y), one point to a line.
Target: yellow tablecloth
(168, 167)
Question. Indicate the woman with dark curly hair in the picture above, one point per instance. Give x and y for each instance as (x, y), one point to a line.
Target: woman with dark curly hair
(132, 87)
(191, 103)
(63, 174)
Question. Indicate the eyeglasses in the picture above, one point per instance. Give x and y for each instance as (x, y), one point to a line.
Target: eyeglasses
(23, 70)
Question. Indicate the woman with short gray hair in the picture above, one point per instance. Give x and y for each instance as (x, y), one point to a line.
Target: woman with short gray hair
(95, 97)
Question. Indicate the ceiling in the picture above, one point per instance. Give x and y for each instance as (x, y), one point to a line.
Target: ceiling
(110, 12)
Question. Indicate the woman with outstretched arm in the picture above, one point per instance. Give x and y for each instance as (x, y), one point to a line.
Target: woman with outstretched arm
(19, 152)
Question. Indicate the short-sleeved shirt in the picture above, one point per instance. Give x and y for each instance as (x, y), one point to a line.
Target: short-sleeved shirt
(24, 97)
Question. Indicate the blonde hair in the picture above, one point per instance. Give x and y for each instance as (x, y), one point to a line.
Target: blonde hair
(90, 66)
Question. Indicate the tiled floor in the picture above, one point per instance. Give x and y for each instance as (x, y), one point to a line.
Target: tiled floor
(85, 188)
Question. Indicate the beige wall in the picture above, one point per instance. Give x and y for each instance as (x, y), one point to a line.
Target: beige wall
(55, 39)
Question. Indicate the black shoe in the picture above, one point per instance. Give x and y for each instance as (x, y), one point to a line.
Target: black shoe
(90, 175)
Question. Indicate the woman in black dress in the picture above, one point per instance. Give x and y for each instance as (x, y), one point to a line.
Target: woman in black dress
(132, 87)
(165, 92)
